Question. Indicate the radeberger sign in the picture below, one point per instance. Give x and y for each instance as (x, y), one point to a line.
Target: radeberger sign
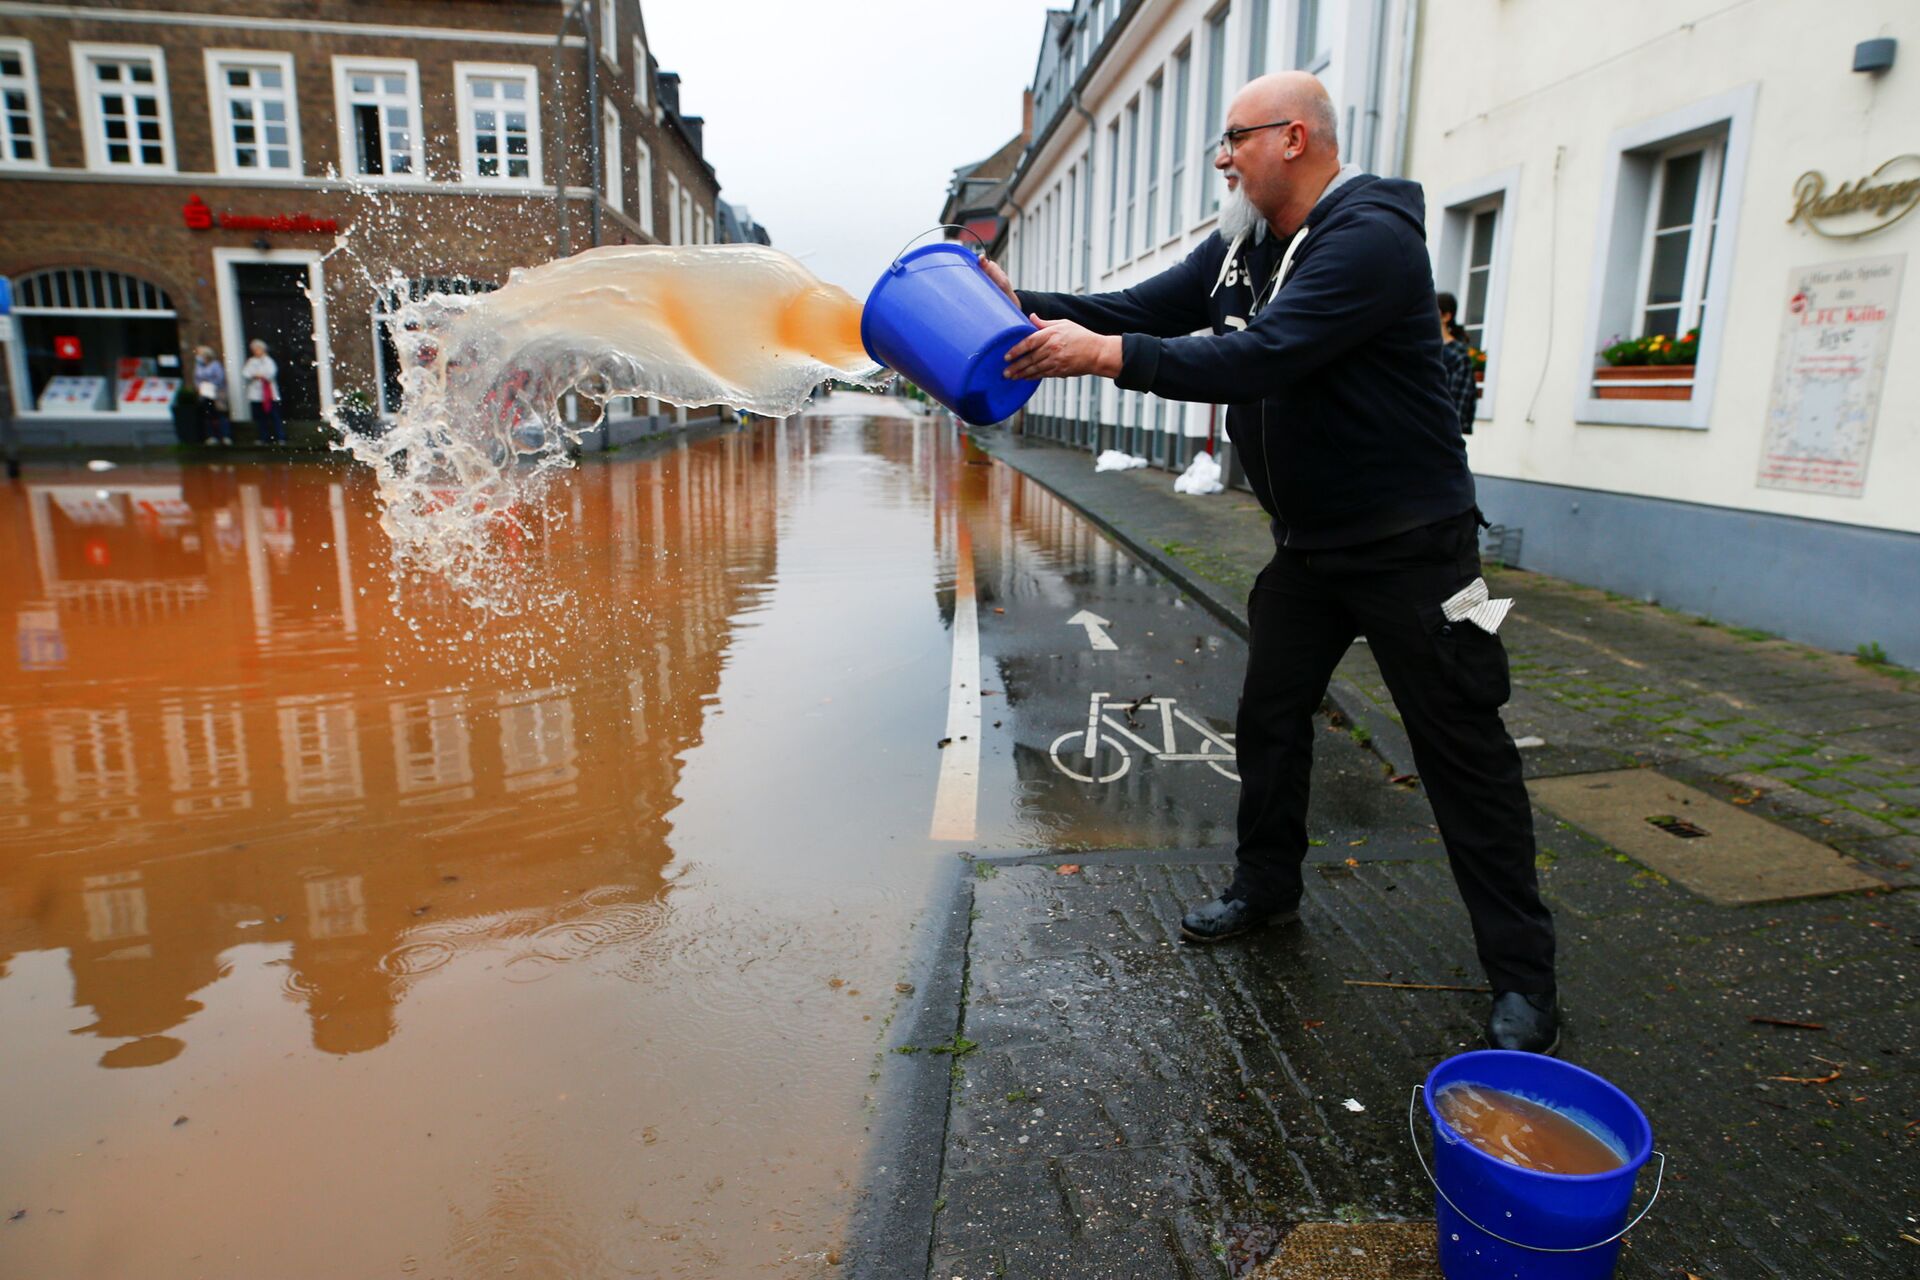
(1884, 196)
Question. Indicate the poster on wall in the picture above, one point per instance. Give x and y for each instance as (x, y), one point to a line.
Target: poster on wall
(1834, 337)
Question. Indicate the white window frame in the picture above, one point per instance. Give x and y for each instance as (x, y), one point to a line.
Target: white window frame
(219, 106)
(1155, 113)
(1706, 197)
(1460, 204)
(1616, 288)
(643, 173)
(343, 100)
(609, 31)
(613, 159)
(1132, 137)
(92, 127)
(464, 73)
(1314, 60)
(1259, 29)
(642, 92)
(1180, 138)
(673, 209)
(29, 84)
(1113, 194)
(1215, 28)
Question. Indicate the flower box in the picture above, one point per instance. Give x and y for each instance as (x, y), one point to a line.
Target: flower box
(1644, 382)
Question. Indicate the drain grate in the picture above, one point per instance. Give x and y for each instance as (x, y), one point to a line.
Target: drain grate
(1677, 826)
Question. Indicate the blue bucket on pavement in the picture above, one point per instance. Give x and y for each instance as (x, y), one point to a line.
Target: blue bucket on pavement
(935, 317)
(1498, 1221)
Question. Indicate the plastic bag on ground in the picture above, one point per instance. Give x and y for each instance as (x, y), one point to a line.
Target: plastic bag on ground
(1114, 460)
(1201, 476)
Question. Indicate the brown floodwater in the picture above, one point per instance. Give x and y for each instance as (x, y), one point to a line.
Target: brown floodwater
(328, 948)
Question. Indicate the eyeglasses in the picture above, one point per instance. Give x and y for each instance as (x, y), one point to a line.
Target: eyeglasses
(1231, 138)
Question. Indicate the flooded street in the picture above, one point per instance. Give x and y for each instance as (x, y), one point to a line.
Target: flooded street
(327, 950)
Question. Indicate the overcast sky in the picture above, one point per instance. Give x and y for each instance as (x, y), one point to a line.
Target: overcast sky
(837, 124)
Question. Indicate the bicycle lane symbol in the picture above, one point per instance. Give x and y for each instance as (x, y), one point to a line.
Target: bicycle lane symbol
(1078, 753)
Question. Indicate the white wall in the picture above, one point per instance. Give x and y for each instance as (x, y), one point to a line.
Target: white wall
(1528, 88)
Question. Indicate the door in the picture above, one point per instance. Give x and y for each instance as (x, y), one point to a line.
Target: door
(274, 307)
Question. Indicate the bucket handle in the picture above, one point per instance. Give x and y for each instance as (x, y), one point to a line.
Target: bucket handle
(1413, 1134)
(938, 226)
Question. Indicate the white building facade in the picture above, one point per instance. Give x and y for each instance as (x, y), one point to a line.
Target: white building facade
(1119, 184)
(1691, 165)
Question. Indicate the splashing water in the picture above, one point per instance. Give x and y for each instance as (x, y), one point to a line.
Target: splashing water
(485, 379)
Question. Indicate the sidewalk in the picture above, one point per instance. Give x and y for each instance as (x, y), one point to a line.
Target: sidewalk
(1117, 1104)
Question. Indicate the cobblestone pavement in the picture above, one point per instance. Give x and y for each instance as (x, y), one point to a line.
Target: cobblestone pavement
(1119, 1104)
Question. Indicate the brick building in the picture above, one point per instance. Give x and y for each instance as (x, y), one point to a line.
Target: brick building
(174, 174)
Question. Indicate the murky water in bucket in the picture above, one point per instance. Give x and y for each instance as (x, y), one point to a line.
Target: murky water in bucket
(487, 380)
(1511, 1128)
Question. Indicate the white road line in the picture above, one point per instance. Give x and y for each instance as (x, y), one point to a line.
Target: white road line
(957, 802)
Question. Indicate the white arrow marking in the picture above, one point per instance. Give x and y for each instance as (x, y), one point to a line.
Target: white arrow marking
(1093, 622)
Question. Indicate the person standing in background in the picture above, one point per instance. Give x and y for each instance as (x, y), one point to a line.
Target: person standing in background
(210, 380)
(1457, 355)
(263, 392)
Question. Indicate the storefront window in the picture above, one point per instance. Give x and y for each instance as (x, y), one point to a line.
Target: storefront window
(97, 342)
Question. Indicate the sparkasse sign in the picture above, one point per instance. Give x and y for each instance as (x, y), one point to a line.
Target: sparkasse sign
(200, 218)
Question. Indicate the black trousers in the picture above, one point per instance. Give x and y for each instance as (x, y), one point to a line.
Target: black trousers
(1448, 681)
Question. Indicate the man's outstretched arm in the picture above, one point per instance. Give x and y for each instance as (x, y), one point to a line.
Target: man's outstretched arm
(1167, 305)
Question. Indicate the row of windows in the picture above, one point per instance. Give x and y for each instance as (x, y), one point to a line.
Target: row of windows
(1667, 263)
(1164, 120)
(127, 125)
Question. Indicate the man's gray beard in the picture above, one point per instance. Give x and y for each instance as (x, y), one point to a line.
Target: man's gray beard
(1238, 217)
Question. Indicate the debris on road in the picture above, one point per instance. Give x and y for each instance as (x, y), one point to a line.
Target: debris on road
(1829, 1078)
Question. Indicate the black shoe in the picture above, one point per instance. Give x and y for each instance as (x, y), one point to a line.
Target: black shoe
(1528, 1023)
(1226, 917)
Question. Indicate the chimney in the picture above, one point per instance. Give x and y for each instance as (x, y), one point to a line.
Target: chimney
(1026, 115)
(696, 129)
(669, 82)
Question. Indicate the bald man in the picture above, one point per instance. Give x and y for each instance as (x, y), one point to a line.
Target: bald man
(1318, 294)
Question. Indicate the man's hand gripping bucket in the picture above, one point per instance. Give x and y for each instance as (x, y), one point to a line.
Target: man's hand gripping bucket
(1498, 1221)
(935, 317)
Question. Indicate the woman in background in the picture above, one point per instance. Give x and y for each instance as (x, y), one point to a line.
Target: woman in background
(263, 393)
(210, 380)
(1458, 358)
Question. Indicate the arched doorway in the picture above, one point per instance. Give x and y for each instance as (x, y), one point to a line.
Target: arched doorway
(95, 342)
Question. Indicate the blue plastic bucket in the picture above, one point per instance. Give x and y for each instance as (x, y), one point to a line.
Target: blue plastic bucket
(935, 317)
(1498, 1221)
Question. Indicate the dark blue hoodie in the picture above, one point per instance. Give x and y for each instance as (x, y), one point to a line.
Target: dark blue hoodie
(1335, 389)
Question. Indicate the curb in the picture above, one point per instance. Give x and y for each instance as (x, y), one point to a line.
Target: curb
(890, 1232)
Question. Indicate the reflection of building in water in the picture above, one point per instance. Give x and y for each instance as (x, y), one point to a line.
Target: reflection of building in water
(206, 756)
(536, 739)
(320, 750)
(13, 774)
(116, 906)
(259, 770)
(93, 765)
(432, 749)
(337, 907)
